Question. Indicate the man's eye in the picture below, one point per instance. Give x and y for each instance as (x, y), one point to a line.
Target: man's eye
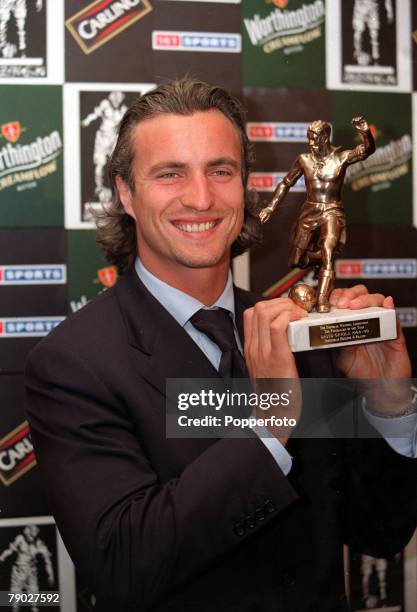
(222, 172)
(168, 175)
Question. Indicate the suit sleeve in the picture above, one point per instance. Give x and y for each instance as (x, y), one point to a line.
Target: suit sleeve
(377, 484)
(132, 537)
(381, 497)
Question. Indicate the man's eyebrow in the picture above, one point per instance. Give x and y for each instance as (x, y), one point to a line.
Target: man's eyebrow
(224, 161)
(166, 165)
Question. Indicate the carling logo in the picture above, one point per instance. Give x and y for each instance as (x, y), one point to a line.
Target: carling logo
(100, 21)
(376, 268)
(16, 454)
(42, 274)
(267, 181)
(28, 327)
(217, 42)
(262, 131)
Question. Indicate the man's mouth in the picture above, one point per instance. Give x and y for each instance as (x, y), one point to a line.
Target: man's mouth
(195, 227)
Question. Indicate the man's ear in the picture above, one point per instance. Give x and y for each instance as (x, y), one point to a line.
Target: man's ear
(125, 196)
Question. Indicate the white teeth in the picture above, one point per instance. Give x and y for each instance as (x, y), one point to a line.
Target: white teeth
(200, 227)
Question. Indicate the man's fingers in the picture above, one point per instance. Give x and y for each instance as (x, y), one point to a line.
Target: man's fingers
(264, 319)
(341, 297)
(365, 301)
(388, 302)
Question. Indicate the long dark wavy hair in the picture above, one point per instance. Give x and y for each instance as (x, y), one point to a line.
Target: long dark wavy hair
(116, 231)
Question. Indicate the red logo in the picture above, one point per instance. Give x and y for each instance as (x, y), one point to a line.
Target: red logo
(168, 40)
(11, 131)
(261, 181)
(260, 131)
(16, 454)
(349, 268)
(1, 327)
(280, 3)
(107, 276)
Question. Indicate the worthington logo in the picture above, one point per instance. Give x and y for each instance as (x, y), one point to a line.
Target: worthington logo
(53, 274)
(28, 327)
(388, 163)
(16, 454)
(285, 28)
(101, 20)
(29, 162)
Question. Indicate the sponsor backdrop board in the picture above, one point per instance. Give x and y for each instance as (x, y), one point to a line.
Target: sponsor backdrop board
(88, 271)
(31, 156)
(33, 290)
(204, 42)
(35, 560)
(31, 45)
(368, 45)
(376, 583)
(283, 43)
(20, 484)
(277, 121)
(92, 114)
(378, 190)
(107, 40)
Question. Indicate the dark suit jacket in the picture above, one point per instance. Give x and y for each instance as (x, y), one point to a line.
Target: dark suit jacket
(172, 524)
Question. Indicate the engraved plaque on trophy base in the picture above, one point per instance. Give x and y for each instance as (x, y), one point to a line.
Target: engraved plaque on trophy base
(342, 327)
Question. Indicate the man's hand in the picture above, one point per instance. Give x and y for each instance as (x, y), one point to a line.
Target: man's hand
(265, 214)
(360, 124)
(267, 352)
(387, 360)
(268, 356)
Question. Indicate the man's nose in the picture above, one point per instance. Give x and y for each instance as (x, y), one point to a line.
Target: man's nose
(198, 193)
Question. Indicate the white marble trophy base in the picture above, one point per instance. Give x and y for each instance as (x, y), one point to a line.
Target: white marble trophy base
(342, 327)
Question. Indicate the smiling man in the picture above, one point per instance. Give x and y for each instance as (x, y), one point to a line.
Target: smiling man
(157, 523)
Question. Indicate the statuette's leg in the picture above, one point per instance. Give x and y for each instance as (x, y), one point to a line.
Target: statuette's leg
(326, 278)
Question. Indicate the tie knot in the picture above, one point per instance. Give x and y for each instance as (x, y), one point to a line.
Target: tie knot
(218, 326)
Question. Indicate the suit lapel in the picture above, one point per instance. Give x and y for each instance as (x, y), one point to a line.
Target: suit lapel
(151, 330)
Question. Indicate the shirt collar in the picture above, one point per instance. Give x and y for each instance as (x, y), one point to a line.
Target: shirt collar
(179, 304)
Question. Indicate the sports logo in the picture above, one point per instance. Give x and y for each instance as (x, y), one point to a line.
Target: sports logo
(102, 20)
(407, 316)
(267, 181)
(33, 274)
(28, 327)
(213, 42)
(260, 131)
(16, 454)
(376, 268)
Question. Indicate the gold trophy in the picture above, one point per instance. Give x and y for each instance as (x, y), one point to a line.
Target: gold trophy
(319, 234)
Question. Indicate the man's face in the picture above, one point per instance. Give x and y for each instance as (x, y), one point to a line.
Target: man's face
(188, 197)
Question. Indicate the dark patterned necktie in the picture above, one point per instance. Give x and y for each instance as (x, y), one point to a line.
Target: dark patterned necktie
(218, 326)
